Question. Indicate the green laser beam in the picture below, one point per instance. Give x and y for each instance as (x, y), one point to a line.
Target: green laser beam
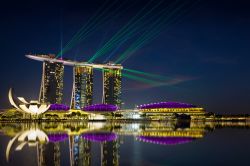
(142, 41)
(93, 25)
(156, 76)
(146, 36)
(157, 85)
(150, 38)
(150, 82)
(136, 78)
(133, 77)
(117, 35)
(138, 41)
(88, 30)
(127, 30)
(89, 21)
(88, 25)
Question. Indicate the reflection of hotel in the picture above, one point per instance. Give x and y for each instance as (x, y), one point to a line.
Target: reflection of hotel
(110, 153)
(48, 154)
(109, 146)
(80, 143)
(80, 151)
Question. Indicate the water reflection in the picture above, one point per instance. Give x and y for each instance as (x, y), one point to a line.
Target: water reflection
(32, 138)
(82, 139)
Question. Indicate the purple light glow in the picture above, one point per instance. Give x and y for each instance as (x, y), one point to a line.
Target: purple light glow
(99, 137)
(100, 108)
(166, 105)
(166, 140)
(58, 107)
(57, 137)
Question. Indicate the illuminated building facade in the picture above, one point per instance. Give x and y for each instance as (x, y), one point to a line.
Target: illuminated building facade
(51, 90)
(82, 93)
(112, 86)
(163, 110)
(171, 107)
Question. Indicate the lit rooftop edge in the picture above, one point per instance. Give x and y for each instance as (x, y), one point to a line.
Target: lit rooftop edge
(166, 105)
(73, 63)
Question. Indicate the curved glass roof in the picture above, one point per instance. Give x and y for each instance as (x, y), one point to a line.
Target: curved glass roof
(166, 105)
(166, 140)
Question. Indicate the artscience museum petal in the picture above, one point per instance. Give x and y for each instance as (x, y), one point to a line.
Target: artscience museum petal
(33, 107)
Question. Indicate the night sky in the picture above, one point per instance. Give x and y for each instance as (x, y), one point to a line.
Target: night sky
(205, 53)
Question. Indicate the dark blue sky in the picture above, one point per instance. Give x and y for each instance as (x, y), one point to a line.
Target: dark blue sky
(207, 51)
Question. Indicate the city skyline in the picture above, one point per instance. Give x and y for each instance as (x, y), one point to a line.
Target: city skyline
(204, 58)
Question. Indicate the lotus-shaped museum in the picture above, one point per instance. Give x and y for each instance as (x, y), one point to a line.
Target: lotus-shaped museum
(33, 107)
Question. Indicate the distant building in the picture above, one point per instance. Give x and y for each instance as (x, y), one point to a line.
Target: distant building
(171, 107)
(82, 93)
(162, 110)
(112, 86)
(51, 90)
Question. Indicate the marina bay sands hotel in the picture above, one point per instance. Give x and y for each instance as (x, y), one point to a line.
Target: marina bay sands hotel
(51, 90)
